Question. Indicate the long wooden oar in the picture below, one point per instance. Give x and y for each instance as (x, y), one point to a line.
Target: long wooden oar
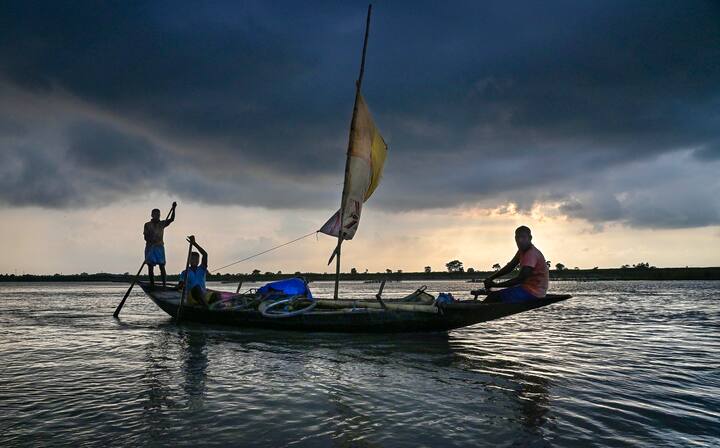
(127, 293)
(137, 276)
(185, 283)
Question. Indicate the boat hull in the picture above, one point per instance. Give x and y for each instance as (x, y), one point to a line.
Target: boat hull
(350, 320)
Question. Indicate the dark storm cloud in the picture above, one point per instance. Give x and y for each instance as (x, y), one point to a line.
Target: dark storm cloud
(709, 151)
(29, 176)
(102, 151)
(674, 209)
(95, 163)
(481, 102)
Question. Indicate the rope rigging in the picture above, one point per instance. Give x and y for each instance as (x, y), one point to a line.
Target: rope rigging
(266, 251)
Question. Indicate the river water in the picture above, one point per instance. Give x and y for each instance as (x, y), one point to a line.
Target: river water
(620, 364)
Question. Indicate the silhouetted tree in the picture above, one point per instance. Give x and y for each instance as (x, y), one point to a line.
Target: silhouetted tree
(471, 270)
(496, 267)
(560, 267)
(353, 271)
(428, 269)
(454, 266)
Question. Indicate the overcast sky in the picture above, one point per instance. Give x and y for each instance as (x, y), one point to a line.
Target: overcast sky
(597, 123)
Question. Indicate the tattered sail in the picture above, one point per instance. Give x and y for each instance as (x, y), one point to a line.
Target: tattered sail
(366, 157)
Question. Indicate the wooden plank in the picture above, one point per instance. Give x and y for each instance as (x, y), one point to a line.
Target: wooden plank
(343, 303)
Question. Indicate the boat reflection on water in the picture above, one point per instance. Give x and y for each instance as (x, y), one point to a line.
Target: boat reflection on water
(534, 399)
(358, 390)
(157, 393)
(420, 381)
(528, 390)
(170, 399)
(194, 368)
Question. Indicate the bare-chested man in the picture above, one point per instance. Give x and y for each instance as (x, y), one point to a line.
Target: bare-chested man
(154, 246)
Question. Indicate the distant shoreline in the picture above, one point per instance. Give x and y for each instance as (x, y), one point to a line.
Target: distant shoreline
(630, 273)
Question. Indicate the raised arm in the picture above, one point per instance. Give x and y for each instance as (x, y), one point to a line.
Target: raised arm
(204, 262)
(172, 215)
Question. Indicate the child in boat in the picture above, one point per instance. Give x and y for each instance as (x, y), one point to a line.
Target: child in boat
(154, 246)
(531, 282)
(195, 277)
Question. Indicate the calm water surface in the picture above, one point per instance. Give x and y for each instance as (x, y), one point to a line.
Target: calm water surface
(621, 364)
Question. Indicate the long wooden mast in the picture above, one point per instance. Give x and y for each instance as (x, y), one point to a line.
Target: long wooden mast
(347, 160)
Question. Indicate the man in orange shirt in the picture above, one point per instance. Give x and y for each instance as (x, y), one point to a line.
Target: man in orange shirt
(531, 283)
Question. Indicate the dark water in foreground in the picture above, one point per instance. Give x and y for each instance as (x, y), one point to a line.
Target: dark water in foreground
(621, 364)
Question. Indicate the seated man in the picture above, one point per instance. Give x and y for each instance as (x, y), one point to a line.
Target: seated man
(531, 282)
(194, 278)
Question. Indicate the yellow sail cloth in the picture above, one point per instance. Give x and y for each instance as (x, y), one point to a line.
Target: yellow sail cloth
(366, 157)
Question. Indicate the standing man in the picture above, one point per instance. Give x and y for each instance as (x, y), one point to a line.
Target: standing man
(531, 282)
(154, 246)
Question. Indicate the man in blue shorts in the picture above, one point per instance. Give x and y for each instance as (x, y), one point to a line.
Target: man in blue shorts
(154, 245)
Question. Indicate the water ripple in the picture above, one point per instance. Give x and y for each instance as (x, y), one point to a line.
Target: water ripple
(622, 364)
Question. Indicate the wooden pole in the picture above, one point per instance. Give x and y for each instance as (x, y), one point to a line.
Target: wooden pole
(127, 293)
(337, 266)
(137, 276)
(358, 84)
(185, 284)
(365, 41)
(378, 296)
(237, 291)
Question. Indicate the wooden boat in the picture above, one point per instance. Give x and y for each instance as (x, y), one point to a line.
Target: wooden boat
(352, 316)
(418, 312)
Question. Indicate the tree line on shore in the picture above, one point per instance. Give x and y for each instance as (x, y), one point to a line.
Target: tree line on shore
(639, 271)
(457, 266)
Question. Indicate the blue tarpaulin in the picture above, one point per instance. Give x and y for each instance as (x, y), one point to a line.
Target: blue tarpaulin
(289, 287)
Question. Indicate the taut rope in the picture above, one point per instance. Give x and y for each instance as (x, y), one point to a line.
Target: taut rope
(265, 251)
